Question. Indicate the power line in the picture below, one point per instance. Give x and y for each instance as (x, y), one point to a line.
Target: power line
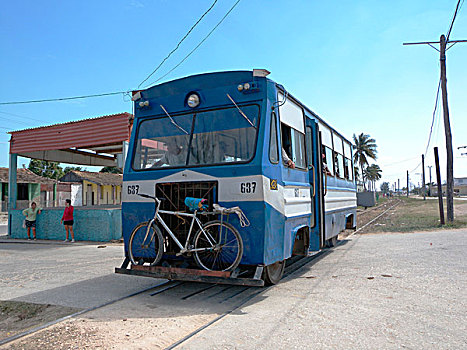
(434, 114)
(416, 167)
(63, 98)
(179, 43)
(15, 121)
(21, 116)
(453, 19)
(126, 92)
(197, 46)
(399, 162)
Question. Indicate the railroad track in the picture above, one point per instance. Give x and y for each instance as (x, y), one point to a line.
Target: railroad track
(228, 297)
(231, 297)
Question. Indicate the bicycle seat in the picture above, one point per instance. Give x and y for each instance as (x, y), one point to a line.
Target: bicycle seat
(196, 203)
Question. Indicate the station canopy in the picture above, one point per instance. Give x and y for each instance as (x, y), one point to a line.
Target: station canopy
(94, 141)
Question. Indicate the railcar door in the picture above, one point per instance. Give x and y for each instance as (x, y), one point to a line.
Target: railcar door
(314, 162)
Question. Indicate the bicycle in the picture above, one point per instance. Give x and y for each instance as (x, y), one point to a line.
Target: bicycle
(216, 246)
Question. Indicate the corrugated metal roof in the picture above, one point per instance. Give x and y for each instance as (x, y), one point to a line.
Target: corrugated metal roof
(80, 134)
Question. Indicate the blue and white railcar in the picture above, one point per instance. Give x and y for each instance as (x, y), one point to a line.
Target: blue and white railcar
(226, 137)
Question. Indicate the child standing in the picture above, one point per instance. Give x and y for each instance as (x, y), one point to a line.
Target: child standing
(67, 220)
(31, 214)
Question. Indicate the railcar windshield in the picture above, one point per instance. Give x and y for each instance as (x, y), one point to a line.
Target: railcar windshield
(204, 138)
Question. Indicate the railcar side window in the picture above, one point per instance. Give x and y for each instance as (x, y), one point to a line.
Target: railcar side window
(338, 143)
(293, 143)
(339, 164)
(292, 130)
(351, 170)
(348, 169)
(328, 159)
(273, 146)
(298, 149)
(309, 147)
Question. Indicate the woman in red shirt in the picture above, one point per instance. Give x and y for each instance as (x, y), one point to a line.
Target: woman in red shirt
(67, 220)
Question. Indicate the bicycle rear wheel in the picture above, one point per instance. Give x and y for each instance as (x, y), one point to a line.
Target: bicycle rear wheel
(144, 249)
(222, 246)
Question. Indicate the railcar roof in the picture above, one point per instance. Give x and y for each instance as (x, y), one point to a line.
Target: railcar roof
(232, 77)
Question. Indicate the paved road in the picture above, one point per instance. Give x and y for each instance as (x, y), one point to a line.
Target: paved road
(76, 275)
(3, 229)
(386, 291)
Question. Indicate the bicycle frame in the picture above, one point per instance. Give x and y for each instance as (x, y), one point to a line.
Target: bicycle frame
(183, 248)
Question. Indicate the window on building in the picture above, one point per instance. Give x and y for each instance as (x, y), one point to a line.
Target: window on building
(22, 192)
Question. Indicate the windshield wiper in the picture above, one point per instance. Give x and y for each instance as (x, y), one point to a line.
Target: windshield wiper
(241, 112)
(173, 121)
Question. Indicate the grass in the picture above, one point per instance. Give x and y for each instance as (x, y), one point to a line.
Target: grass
(418, 215)
(381, 199)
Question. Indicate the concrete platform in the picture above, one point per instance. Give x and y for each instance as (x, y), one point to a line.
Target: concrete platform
(385, 291)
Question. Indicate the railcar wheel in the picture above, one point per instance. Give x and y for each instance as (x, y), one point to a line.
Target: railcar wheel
(142, 249)
(332, 242)
(273, 273)
(221, 246)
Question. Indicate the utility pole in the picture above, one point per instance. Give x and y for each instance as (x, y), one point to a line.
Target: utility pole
(398, 186)
(423, 177)
(429, 185)
(443, 41)
(440, 189)
(447, 132)
(408, 189)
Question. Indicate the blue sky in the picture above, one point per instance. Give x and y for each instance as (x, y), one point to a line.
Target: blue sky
(344, 59)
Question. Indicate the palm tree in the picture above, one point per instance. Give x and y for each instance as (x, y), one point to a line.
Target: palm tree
(373, 174)
(356, 172)
(365, 147)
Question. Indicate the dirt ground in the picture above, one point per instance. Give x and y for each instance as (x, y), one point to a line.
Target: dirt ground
(16, 317)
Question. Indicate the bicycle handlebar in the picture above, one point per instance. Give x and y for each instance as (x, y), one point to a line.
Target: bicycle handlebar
(146, 196)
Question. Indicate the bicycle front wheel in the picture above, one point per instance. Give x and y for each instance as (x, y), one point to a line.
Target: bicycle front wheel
(221, 246)
(144, 246)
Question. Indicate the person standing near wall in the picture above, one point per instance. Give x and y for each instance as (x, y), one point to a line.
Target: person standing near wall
(31, 214)
(67, 220)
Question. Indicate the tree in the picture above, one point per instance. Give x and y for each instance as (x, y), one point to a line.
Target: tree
(111, 169)
(365, 147)
(373, 174)
(70, 168)
(356, 172)
(385, 187)
(45, 168)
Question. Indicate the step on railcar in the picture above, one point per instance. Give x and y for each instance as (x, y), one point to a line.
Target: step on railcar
(226, 138)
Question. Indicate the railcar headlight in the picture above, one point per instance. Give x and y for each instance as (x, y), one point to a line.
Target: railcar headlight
(193, 100)
(240, 87)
